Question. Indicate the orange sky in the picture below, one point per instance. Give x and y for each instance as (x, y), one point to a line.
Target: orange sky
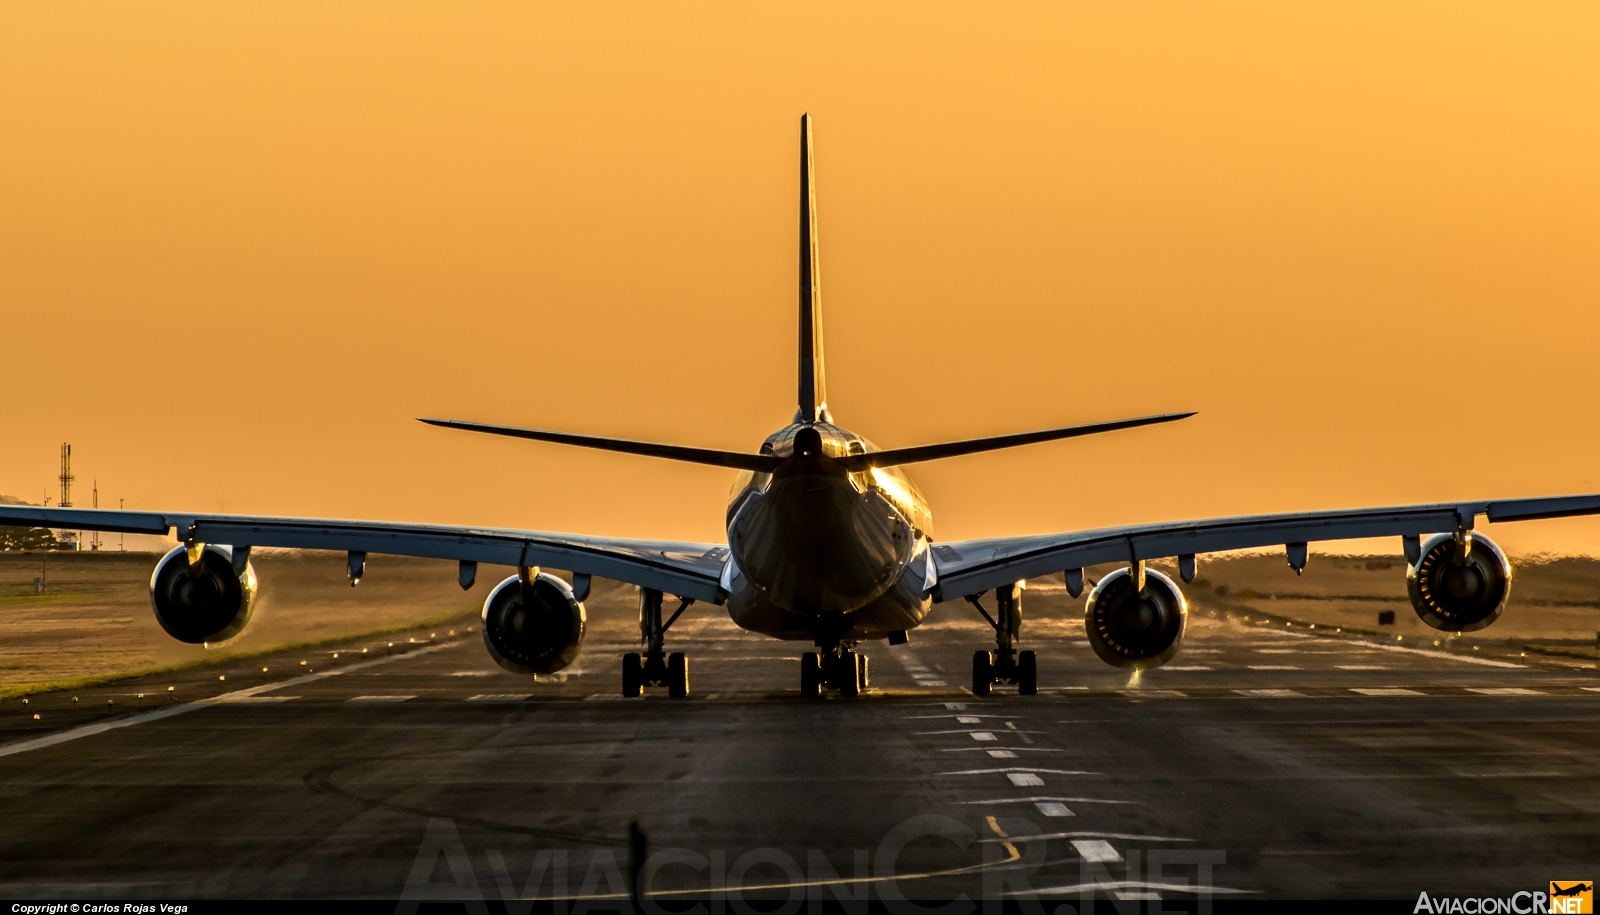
(242, 245)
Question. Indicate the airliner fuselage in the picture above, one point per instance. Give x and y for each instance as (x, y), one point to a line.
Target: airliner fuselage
(824, 554)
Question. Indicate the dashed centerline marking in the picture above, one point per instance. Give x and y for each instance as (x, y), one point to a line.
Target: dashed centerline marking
(1096, 851)
(1271, 694)
(1025, 779)
(1385, 691)
(1053, 809)
(379, 698)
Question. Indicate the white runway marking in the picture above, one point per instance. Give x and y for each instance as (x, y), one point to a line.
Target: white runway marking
(89, 730)
(379, 698)
(1277, 650)
(1185, 667)
(1385, 691)
(1053, 809)
(971, 719)
(1007, 753)
(1019, 769)
(1080, 834)
(1271, 693)
(955, 706)
(1096, 851)
(473, 673)
(267, 699)
(1465, 659)
(1360, 667)
(1504, 691)
(931, 683)
(1592, 689)
(1061, 800)
(1000, 754)
(1272, 667)
(1113, 887)
(498, 697)
(982, 736)
(1134, 895)
(1025, 779)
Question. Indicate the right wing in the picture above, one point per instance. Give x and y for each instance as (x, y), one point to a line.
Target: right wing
(972, 566)
(674, 567)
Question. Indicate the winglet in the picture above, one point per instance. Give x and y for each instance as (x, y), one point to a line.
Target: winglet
(813, 390)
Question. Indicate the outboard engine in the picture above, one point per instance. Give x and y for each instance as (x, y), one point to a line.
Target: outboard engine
(1131, 629)
(198, 597)
(535, 628)
(1459, 593)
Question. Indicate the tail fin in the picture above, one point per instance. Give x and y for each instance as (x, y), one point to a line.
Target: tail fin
(813, 390)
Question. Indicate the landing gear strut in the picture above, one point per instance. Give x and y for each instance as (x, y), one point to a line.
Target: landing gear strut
(655, 667)
(1004, 664)
(837, 667)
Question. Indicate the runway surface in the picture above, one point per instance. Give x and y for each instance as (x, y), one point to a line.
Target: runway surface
(1266, 761)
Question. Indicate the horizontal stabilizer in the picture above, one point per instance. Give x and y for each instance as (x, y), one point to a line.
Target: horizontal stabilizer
(894, 456)
(756, 462)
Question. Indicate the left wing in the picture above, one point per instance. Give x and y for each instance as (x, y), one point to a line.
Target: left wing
(683, 569)
(972, 566)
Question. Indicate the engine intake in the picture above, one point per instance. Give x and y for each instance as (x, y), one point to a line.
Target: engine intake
(1132, 630)
(203, 601)
(533, 629)
(1457, 594)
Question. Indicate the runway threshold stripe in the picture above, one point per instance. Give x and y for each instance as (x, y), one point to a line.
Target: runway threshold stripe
(90, 730)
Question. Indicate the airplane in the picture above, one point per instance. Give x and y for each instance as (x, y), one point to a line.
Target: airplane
(828, 542)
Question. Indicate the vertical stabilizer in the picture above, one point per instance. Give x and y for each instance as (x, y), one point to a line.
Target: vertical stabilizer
(813, 393)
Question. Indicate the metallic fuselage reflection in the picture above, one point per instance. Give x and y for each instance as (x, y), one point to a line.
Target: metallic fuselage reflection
(823, 554)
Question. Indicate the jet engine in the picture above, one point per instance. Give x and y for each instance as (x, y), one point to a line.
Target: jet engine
(1133, 629)
(199, 597)
(533, 628)
(1459, 593)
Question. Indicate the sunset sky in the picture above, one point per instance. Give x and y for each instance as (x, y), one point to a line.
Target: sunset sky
(243, 245)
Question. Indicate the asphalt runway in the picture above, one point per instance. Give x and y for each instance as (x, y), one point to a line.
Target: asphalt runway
(1267, 761)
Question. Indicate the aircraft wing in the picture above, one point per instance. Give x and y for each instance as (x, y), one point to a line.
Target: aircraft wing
(972, 566)
(683, 569)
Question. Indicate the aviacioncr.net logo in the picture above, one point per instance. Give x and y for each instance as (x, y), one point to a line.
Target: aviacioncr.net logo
(1566, 897)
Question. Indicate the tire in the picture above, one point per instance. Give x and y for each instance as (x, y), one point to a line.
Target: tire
(1027, 674)
(982, 672)
(810, 676)
(861, 670)
(677, 675)
(849, 674)
(632, 675)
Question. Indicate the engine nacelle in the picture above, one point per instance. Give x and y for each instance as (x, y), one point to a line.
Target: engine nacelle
(540, 636)
(1458, 595)
(204, 601)
(1133, 630)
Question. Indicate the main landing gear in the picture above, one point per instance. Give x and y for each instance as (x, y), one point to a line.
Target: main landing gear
(837, 668)
(655, 667)
(1004, 664)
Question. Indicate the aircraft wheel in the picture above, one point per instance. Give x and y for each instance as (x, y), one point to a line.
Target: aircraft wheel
(1027, 674)
(861, 670)
(810, 676)
(632, 675)
(849, 674)
(677, 675)
(982, 672)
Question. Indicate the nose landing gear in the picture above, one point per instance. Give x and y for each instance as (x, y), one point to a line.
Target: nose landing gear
(837, 668)
(1004, 664)
(655, 667)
